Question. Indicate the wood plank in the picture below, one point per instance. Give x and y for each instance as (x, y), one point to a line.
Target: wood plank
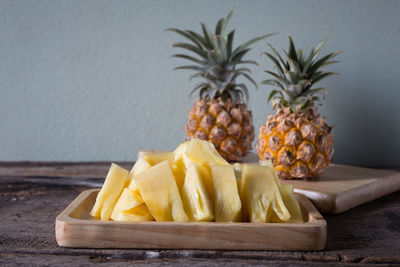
(76, 228)
(368, 234)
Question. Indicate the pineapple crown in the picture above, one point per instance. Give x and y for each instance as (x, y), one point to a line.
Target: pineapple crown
(296, 76)
(216, 61)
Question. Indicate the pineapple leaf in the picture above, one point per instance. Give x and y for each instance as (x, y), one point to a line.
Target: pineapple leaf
(245, 62)
(317, 49)
(292, 49)
(249, 78)
(272, 82)
(192, 48)
(243, 88)
(284, 64)
(200, 38)
(190, 58)
(197, 87)
(189, 67)
(236, 56)
(220, 25)
(221, 43)
(314, 67)
(272, 94)
(250, 42)
(227, 23)
(279, 78)
(313, 91)
(207, 35)
(187, 36)
(230, 42)
(275, 61)
(321, 76)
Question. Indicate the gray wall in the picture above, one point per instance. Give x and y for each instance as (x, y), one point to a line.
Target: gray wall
(91, 80)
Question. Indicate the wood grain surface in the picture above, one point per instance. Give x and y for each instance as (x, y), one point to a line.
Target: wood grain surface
(76, 228)
(30, 201)
(342, 187)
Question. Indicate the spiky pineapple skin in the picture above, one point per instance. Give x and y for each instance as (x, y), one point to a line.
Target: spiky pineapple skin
(228, 126)
(299, 145)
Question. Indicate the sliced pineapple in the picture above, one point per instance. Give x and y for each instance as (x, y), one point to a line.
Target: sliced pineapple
(260, 195)
(116, 179)
(202, 151)
(291, 204)
(153, 158)
(227, 202)
(137, 214)
(140, 165)
(130, 207)
(159, 191)
(195, 195)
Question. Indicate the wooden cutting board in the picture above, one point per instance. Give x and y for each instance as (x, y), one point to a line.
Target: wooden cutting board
(342, 187)
(76, 228)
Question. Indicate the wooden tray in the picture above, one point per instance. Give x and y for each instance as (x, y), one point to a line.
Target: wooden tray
(76, 228)
(342, 187)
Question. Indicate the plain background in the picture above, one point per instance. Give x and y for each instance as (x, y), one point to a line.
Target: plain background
(92, 80)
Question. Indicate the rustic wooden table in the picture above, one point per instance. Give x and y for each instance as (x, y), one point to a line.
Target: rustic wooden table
(33, 194)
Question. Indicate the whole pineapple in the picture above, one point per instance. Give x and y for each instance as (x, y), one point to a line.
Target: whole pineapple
(297, 139)
(220, 114)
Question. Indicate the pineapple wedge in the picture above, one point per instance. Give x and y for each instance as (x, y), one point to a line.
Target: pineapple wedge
(227, 202)
(202, 151)
(179, 168)
(153, 158)
(107, 197)
(238, 168)
(138, 214)
(140, 165)
(260, 195)
(195, 196)
(291, 204)
(159, 191)
(130, 207)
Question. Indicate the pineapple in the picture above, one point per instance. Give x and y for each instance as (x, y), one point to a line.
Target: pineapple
(297, 139)
(160, 193)
(196, 195)
(228, 207)
(130, 207)
(260, 195)
(108, 196)
(220, 114)
(291, 204)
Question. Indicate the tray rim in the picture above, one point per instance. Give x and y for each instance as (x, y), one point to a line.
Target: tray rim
(315, 221)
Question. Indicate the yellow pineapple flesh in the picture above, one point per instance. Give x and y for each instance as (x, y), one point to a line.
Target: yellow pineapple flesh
(159, 191)
(130, 207)
(196, 195)
(260, 195)
(227, 204)
(291, 204)
(106, 199)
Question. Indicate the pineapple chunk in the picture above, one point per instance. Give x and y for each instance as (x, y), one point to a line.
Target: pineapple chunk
(271, 168)
(113, 185)
(153, 158)
(159, 191)
(195, 196)
(140, 165)
(238, 168)
(179, 168)
(156, 157)
(202, 151)
(138, 214)
(291, 204)
(260, 194)
(227, 202)
(130, 207)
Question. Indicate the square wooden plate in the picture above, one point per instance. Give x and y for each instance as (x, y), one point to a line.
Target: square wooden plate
(76, 228)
